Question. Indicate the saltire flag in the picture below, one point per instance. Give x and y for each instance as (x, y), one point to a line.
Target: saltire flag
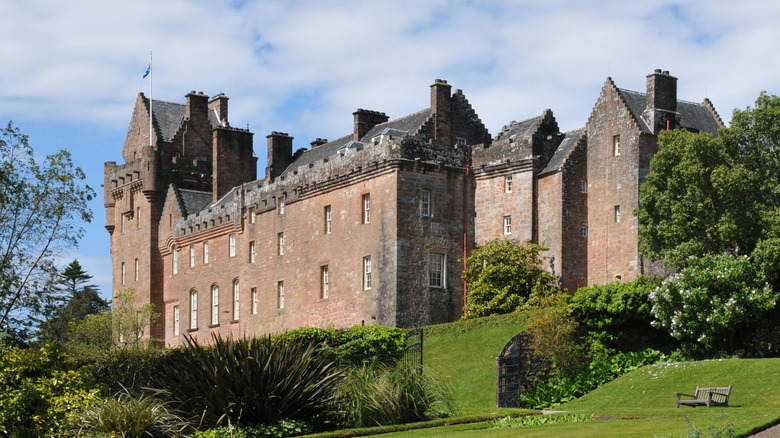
(148, 69)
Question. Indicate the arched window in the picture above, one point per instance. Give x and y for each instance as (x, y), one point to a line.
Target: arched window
(236, 299)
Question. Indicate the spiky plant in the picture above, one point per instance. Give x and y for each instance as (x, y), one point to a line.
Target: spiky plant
(252, 381)
(129, 416)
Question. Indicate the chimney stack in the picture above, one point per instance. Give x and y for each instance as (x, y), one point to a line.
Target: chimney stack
(661, 106)
(365, 120)
(219, 106)
(318, 142)
(197, 105)
(441, 107)
(279, 154)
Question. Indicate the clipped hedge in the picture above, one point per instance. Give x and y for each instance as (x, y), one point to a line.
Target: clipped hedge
(354, 345)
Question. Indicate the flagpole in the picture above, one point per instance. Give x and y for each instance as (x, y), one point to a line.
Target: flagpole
(151, 74)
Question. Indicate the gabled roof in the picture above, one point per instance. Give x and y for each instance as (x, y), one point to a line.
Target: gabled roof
(693, 116)
(169, 116)
(516, 131)
(193, 201)
(570, 141)
(409, 124)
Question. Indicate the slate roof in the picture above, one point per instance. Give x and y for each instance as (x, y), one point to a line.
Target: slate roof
(518, 130)
(169, 116)
(693, 116)
(409, 124)
(570, 140)
(194, 201)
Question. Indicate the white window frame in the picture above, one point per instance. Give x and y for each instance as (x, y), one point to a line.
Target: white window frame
(280, 243)
(123, 273)
(367, 208)
(252, 252)
(617, 214)
(437, 270)
(367, 269)
(138, 217)
(507, 225)
(137, 268)
(236, 299)
(584, 229)
(215, 304)
(425, 203)
(192, 256)
(616, 145)
(254, 301)
(252, 215)
(328, 219)
(583, 186)
(508, 184)
(193, 309)
(461, 141)
(280, 208)
(325, 282)
(206, 252)
(176, 321)
(280, 294)
(232, 245)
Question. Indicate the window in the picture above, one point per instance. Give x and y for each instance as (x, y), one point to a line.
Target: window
(252, 215)
(328, 220)
(617, 213)
(508, 184)
(366, 272)
(583, 186)
(584, 229)
(136, 269)
(507, 224)
(280, 241)
(236, 299)
(205, 252)
(460, 141)
(192, 256)
(436, 270)
(123, 273)
(175, 260)
(175, 320)
(280, 295)
(280, 208)
(232, 245)
(122, 225)
(214, 305)
(254, 301)
(325, 287)
(194, 309)
(366, 208)
(616, 145)
(252, 252)
(138, 217)
(425, 203)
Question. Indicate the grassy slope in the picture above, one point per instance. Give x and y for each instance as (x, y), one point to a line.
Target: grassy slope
(642, 403)
(464, 354)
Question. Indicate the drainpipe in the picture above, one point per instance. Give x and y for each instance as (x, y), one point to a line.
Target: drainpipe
(465, 235)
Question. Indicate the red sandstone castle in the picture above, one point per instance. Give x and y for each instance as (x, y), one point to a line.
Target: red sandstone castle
(369, 228)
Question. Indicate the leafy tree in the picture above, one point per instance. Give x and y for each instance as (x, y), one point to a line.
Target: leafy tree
(131, 318)
(76, 299)
(504, 276)
(42, 208)
(706, 195)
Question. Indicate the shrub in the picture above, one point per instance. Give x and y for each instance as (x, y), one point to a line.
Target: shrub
(715, 305)
(563, 388)
(382, 394)
(252, 381)
(552, 335)
(503, 275)
(355, 345)
(37, 390)
(618, 316)
(129, 416)
(281, 429)
(536, 420)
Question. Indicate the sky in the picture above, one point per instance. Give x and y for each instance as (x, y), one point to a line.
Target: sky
(70, 72)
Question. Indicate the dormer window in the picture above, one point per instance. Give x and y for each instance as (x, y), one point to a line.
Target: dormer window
(460, 141)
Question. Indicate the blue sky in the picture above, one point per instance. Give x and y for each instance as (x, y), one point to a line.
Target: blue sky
(71, 71)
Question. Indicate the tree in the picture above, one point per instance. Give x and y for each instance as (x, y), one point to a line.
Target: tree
(131, 318)
(706, 195)
(42, 208)
(504, 276)
(74, 301)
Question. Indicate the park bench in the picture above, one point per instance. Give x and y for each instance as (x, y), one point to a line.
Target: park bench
(706, 396)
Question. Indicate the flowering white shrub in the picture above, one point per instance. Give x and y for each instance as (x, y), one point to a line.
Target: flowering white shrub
(712, 305)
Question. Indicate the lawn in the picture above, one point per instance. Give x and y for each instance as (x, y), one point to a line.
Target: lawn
(638, 404)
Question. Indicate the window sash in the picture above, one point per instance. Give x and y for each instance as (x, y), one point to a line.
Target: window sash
(194, 309)
(436, 270)
(236, 300)
(215, 305)
(367, 273)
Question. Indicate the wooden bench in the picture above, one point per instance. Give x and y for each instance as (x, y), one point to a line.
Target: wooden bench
(706, 396)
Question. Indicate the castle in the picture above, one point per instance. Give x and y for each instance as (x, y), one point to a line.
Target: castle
(369, 228)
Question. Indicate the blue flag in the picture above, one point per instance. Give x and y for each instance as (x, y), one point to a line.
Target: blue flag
(148, 69)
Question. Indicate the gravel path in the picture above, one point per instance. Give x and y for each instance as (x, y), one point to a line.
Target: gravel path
(772, 432)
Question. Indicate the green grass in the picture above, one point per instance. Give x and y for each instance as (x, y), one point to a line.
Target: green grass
(463, 354)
